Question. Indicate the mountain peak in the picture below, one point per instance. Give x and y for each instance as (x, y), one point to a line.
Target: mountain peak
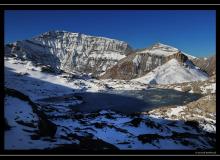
(55, 33)
(160, 50)
(165, 46)
(71, 51)
(173, 72)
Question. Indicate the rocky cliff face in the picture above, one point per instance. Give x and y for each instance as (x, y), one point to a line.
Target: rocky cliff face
(70, 51)
(140, 63)
(102, 57)
(207, 64)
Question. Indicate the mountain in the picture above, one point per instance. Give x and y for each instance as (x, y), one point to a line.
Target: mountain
(207, 64)
(70, 51)
(174, 72)
(102, 57)
(142, 62)
(75, 111)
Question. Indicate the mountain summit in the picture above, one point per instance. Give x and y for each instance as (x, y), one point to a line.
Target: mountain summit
(142, 62)
(173, 72)
(70, 51)
(160, 50)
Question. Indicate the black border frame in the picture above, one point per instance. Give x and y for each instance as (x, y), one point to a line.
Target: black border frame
(107, 7)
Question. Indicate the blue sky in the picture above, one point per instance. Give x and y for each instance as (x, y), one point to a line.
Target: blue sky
(192, 31)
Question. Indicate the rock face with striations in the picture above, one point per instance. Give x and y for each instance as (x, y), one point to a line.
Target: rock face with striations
(207, 64)
(70, 51)
(140, 63)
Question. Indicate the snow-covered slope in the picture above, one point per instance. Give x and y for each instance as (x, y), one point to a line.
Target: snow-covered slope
(70, 51)
(160, 49)
(54, 96)
(173, 72)
(190, 56)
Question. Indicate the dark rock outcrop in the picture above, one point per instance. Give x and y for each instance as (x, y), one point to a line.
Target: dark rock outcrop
(45, 126)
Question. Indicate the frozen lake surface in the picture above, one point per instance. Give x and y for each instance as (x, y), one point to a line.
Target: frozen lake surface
(128, 101)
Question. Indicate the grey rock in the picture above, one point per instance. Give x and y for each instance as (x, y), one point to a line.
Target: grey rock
(70, 51)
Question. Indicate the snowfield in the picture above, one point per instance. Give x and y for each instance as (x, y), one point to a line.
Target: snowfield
(55, 96)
